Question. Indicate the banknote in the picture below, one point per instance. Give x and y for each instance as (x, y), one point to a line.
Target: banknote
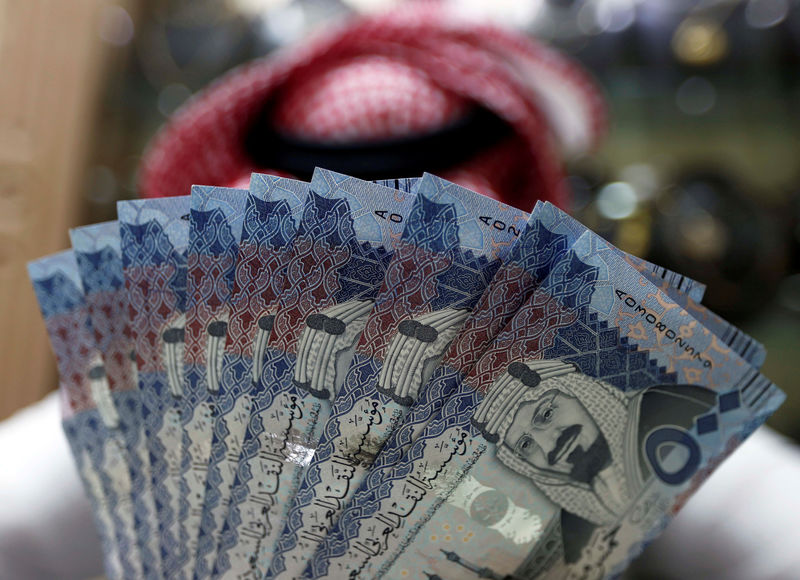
(452, 244)
(541, 241)
(273, 209)
(154, 235)
(549, 233)
(89, 418)
(591, 418)
(215, 225)
(341, 251)
(98, 255)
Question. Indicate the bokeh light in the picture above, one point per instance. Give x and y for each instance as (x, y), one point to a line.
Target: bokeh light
(696, 96)
(617, 200)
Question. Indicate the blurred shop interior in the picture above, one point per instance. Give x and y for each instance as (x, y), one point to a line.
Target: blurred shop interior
(698, 171)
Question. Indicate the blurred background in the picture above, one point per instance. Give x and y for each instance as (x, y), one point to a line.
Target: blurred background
(698, 172)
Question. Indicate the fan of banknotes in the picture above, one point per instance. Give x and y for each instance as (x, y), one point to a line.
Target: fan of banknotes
(396, 379)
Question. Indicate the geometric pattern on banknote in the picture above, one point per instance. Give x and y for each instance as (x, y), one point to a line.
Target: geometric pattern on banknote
(73, 345)
(320, 250)
(572, 285)
(432, 226)
(328, 266)
(537, 249)
(69, 338)
(146, 244)
(268, 222)
(212, 238)
(410, 287)
(159, 314)
(571, 281)
(529, 261)
(156, 289)
(107, 299)
(102, 270)
(57, 294)
(267, 236)
(428, 272)
(211, 261)
(158, 285)
(265, 246)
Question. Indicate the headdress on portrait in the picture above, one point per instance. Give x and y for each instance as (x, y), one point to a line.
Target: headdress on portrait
(508, 389)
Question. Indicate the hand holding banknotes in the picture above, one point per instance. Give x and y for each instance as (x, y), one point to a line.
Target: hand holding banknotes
(558, 430)
(396, 378)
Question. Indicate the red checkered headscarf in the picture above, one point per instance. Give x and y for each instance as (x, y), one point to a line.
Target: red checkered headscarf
(416, 89)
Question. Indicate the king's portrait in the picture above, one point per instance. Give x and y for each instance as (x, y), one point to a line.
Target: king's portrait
(584, 443)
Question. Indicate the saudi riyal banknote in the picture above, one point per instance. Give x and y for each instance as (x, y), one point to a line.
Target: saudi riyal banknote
(155, 236)
(452, 244)
(272, 210)
(89, 419)
(592, 416)
(537, 245)
(98, 255)
(215, 224)
(410, 382)
(339, 258)
(549, 233)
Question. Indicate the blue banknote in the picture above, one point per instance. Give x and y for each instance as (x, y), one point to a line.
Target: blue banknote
(155, 237)
(452, 244)
(339, 258)
(215, 225)
(90, 421)
(549, 233)
(587, 423)
(541, 242)
(273, 209)
(98, 254)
